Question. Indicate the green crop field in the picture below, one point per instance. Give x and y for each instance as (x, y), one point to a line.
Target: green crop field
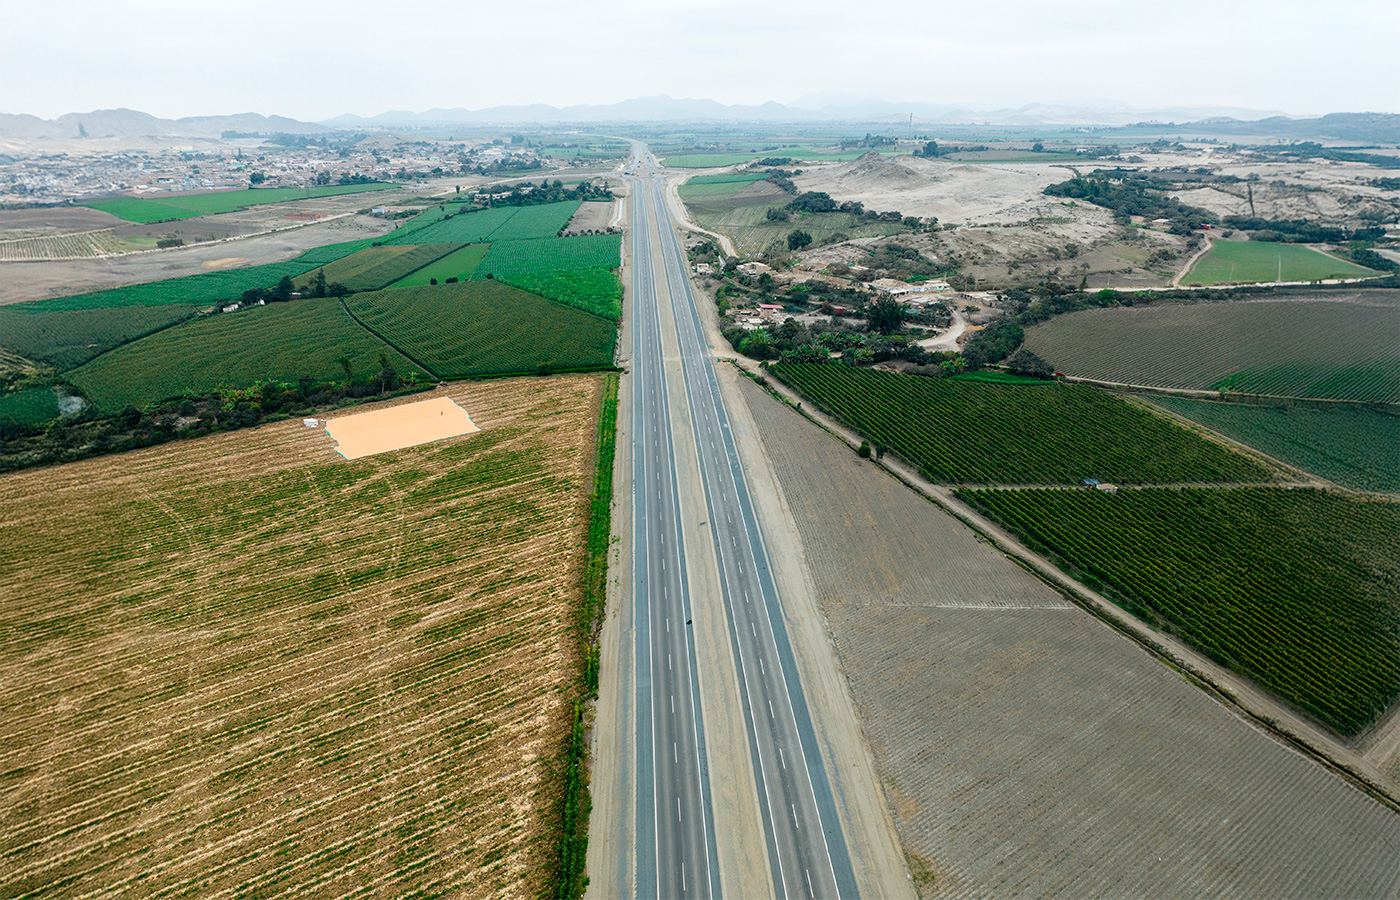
(67, 338)
(973, 432)
(715, 160)
(205, 288)
(31, 406)
(501, 223)
(163, 208)
(459, 264)
(993, 376)
(595, 290)
(1355, 447)
(375, 267)
(280, 341)
(707, 160)
(1248, 262)
(1334, 350)
(485, 328)
(716, 187)
(585, 251)
(1294, 588)
(726, 178)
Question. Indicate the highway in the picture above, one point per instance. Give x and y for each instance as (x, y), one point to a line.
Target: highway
(676, 853)
(806, 851)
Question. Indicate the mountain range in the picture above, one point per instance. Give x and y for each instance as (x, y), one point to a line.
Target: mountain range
(130, 123)
(1198, 120)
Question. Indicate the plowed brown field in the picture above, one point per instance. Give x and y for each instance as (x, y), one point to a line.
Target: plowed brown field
(243, 665)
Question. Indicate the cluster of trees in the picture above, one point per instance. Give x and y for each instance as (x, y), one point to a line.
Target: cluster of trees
(90, 433)
(1128, 194)
(892, 260)
(822, 202)
(929, 150)
(1313, 150)
(283, 290)
(783, 179)
(526, 194)
(793, 341)
(508, 164)
(870, 140)
(1301, 231)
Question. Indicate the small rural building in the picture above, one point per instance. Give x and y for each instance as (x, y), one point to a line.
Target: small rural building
(310, 423)
(1090, 482)
(1106, 488)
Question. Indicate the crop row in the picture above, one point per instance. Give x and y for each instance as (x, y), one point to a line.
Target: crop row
(383, 641)
(30, 406)
(1294, 588)
(1354, 447)
(280, 341)
(1328, 349)
(59, 246)
(64, 338)
(502, 223)
(595, 290)
(547, 255)
(204, 288)
(459, 264)
(485, 327)
(375, 267)
(1377, 378)
(982, 433)
(165, 208)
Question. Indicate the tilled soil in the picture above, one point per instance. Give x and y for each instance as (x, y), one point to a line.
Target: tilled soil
(1028, 750)
(242, 664)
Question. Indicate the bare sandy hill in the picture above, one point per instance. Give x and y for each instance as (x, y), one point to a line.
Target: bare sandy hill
(962, 193)
(873, 171)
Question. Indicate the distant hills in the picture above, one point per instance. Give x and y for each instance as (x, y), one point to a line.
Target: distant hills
(1231, 122)
(130, 123)
(817, 108)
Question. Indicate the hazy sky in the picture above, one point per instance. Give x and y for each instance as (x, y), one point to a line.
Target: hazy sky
(313, 59)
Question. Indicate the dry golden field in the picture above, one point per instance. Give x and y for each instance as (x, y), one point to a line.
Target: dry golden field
(243, 666)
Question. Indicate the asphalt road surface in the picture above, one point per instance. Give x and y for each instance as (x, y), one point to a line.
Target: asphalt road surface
(676, 854)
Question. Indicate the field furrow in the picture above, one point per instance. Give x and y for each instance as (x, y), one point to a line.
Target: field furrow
(244, 664)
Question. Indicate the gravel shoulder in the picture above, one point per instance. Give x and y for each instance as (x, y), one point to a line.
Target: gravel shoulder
(1025, 747)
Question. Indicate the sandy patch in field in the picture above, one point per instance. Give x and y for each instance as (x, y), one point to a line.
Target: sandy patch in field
(227, 262)
(398, 427)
